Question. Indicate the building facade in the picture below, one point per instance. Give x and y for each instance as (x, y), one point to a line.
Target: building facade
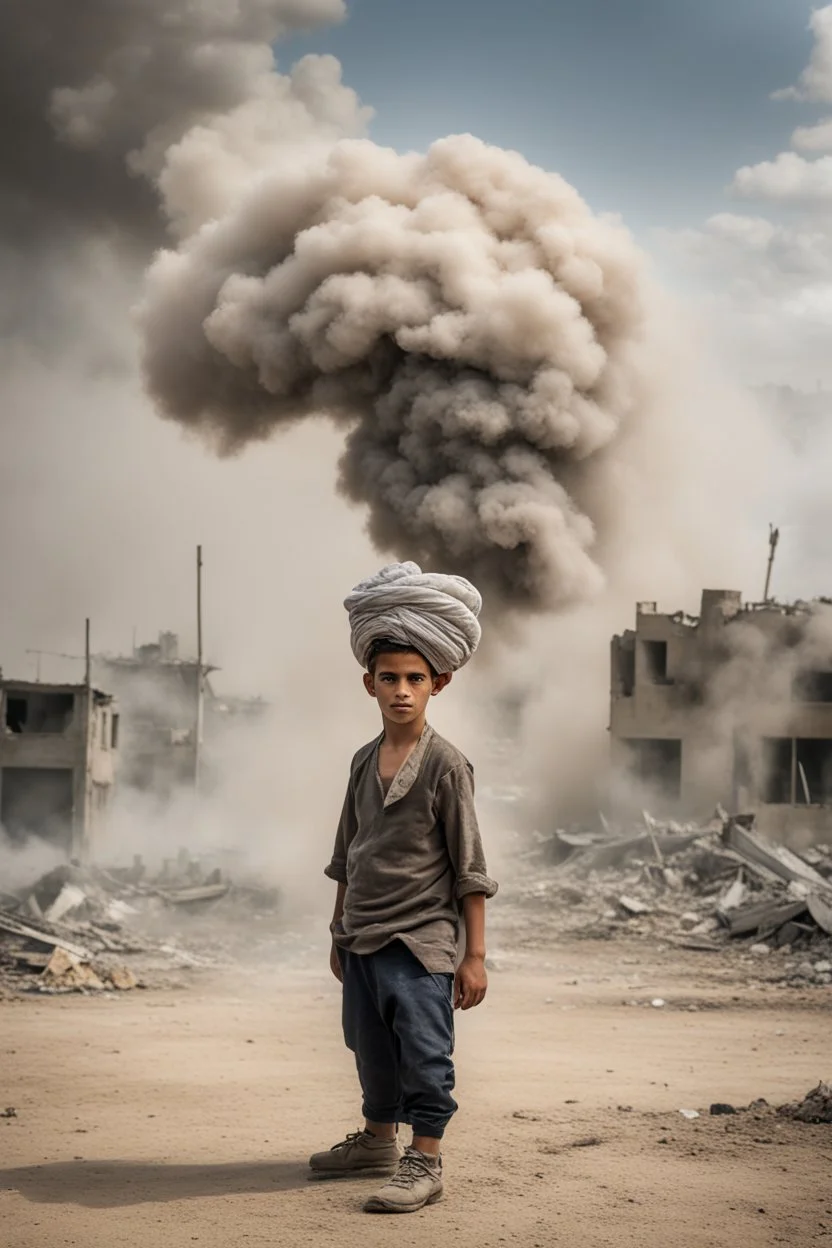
(733, 706)
(157, 692)
(158, 695)
(58, 746)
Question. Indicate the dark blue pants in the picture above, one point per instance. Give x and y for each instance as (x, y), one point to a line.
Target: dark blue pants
(399, 1022)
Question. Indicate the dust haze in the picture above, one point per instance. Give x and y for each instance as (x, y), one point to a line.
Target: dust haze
(481, 365)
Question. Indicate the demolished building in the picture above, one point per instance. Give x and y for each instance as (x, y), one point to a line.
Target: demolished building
(733, 706)
(157, 693)
(58, 747)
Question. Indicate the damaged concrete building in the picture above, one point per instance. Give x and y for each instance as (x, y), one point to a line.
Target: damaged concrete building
(58, 746)
(157, 694)
(731, 706)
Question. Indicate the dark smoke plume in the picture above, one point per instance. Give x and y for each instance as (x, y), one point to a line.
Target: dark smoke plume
(462, 314)
(93, 95)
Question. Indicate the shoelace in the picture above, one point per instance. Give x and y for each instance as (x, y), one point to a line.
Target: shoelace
(411, 1168)
(348, 1142)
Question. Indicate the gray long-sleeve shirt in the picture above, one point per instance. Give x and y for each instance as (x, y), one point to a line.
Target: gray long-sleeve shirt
(409, 858)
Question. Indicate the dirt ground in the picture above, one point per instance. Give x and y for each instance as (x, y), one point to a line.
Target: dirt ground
(180, 1118)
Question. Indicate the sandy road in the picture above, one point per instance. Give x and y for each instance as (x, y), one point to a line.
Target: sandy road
(178, 1119)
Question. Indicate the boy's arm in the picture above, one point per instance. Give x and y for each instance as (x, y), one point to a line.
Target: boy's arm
(334, 960)
(339, 905)
(455, 796)
(337, 870)
(471, 981)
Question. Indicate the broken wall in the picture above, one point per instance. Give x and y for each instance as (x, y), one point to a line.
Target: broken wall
(743, 695)
(57, 763)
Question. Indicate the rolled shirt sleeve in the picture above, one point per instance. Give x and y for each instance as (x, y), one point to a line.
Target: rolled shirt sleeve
(455, 807)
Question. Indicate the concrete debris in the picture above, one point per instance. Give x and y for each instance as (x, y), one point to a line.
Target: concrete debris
(816, 1106)
(42, 935)
(632, 905)
(69, 898)
(76, 928)
(781, 862)
(821, 911)
(64, 971)
(193, 896)
(764, 916)
(734, 896)
(697, 886)
(122, 978)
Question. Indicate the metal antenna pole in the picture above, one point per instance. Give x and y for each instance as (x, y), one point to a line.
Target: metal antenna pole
(773, 539)
(200, 695)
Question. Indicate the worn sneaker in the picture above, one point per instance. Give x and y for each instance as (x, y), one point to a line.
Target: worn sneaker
(416, 1183)
(359, 1152)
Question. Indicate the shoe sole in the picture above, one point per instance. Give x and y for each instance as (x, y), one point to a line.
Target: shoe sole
(374, 1205)
(356, 1173)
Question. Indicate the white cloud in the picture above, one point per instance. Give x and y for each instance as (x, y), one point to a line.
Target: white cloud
(750, 233)
(765, 291)
(815, 83)
(817, 138)
(788, 178)
(792, 178)
(756, 251)
(764, 282)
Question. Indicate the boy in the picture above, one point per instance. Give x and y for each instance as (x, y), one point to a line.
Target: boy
(407, 859)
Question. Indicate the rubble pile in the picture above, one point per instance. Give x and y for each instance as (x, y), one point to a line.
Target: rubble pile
(698, 887)
(86, 929)
(816, 1106)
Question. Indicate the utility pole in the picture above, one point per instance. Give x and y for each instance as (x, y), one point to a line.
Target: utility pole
(81, 818)
(200, 692)
(773, 539)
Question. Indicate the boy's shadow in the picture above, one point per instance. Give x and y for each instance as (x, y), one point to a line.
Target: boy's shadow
(109, 1184)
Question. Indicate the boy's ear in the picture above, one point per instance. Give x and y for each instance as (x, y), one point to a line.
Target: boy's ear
(439, 682)
(370, 684)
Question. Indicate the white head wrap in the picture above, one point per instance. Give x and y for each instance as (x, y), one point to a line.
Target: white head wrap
(434, 613)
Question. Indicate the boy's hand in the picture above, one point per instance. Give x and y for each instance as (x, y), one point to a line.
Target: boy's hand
(335, 964)
(470, 983)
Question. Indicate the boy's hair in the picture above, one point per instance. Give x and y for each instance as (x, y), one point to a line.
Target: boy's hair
(383, 645)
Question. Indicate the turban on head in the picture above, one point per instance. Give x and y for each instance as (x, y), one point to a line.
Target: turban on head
(434, 613)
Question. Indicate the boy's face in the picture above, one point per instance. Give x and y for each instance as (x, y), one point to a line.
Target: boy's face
(402, 685)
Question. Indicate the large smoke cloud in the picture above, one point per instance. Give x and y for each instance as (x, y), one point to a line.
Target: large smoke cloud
(483, 344)
(98, 100)
(463, 314)
(93, 94)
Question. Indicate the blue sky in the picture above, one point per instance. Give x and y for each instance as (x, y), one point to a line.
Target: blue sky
(647, 106)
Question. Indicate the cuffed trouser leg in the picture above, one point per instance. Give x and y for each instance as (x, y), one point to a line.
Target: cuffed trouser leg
(398, 1020)
(370, 1040)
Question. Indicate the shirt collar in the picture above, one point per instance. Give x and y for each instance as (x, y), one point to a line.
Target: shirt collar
(406, 776)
